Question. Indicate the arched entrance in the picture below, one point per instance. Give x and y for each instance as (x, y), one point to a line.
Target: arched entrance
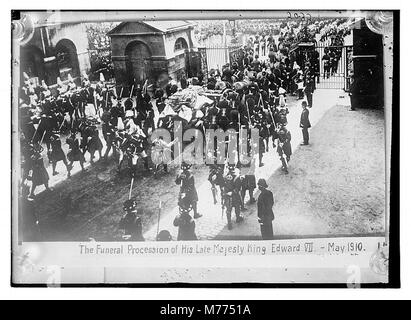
(67, 59)
(138, 62)
(180, 44)
(32, 63)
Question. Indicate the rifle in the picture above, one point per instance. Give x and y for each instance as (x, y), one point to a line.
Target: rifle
(131, 91)
(106, 98)
(41, 141)
(35, 132)
(121, 92)
(248, 112)
(158, 220)
(131, 188)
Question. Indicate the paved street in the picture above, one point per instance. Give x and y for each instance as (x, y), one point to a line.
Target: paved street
(212, 222)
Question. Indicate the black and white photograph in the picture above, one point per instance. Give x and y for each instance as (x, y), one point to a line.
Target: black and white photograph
(212, 133)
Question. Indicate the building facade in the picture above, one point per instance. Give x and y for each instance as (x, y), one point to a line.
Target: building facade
(151, 50)
(55, 51)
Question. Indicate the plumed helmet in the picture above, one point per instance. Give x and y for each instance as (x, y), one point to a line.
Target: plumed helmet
(231, 167)
(128, 104)
(184, 204)
(129, 205)
(185, 166)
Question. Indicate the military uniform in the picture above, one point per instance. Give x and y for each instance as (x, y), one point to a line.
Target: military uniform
(131, 222)
(216, 178)
(187, 188)
(75, 153)
(232, 198)
(248, 181)
(57, 154)
(284, 146)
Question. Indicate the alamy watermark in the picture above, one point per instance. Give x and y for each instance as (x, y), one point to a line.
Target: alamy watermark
(214, 146)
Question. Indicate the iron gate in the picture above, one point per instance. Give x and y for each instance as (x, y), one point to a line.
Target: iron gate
(335, 67)
(217, 55)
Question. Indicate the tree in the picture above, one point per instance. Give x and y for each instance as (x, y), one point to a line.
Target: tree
(100, 49)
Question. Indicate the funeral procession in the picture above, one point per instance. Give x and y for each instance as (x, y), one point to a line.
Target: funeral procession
(170, 130)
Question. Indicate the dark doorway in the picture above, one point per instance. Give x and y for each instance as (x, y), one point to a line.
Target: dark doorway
(32, 63)
(67, 59)
(138, 62)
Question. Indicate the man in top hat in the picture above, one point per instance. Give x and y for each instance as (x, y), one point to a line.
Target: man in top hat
(131, 222)
(187, 187)
(305, 123)
(308, 90)
(265, 213)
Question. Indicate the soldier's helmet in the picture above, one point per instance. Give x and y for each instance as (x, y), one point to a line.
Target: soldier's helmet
(282, 130)
(128, 104)
(185, 166)
(184, 204)
(129, 205)
(231, 167)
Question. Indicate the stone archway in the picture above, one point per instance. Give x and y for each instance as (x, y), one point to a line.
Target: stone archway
(180, 44)
(138, 62)
(67, 59)
(32, 63)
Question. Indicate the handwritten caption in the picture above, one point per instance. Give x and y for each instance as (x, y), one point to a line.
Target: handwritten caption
(222, 249)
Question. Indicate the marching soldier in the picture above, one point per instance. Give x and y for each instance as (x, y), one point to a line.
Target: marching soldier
(57, 154)
(187, 187)
(284, 147)
(131, 222)
(232, 198)
(94, 144)
(248, 181)
(39, 173)
(216, 179)
(75, 153)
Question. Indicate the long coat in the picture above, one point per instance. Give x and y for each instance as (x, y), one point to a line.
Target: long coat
(265, 206)
(305, 121)
(186, 227)
(187, 186)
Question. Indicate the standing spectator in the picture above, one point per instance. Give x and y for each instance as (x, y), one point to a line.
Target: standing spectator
(305, 123)
(185, 223)
(309, 89)
(265, 213)
(131, 222)
(353, 93)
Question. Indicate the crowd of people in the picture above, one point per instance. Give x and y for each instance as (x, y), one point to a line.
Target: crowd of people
(249, 92)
